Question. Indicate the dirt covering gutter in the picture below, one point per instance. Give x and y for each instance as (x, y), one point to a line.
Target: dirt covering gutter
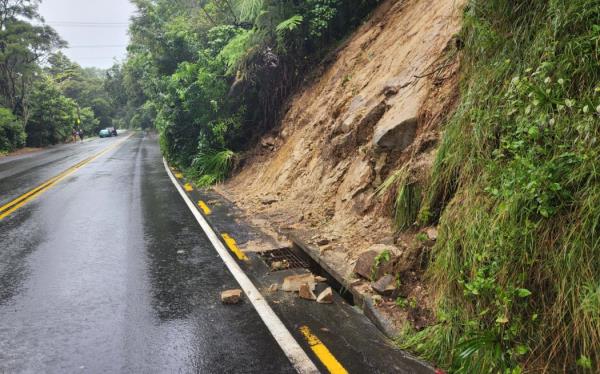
(376, 109)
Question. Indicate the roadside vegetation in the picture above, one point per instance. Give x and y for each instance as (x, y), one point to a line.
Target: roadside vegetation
(515, 190)
(44, 95)
(213, 75)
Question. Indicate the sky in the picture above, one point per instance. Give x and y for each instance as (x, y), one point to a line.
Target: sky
(96, 30)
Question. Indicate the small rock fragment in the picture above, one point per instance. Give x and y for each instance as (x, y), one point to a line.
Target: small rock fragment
(385, 285)
(325, 248)
(432, 233)
(180, 252)
(320, 279)
(231, 296)
(293, 282)
(273, 288)
(279, 265)
(269, 200)
(306, 292)
(323, 242)
(325, 297)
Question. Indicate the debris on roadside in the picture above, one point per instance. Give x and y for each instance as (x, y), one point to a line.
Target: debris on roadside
(364, 264)
(320, 279)
(293, 282)
(280, 265)
(306, 292)
(231, 296)
(386, 285)
(325, 297)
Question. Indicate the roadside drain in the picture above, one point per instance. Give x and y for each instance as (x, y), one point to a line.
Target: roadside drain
(283, 259)
(295, 258)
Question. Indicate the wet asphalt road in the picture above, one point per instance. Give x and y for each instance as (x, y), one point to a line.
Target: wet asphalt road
(108, 272)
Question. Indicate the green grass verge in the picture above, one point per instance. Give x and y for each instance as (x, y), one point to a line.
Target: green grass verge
(515, 189)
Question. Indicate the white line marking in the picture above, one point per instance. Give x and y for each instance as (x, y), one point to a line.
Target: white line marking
(282, 335)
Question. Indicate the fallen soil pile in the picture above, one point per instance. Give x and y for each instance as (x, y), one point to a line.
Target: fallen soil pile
(376, 106)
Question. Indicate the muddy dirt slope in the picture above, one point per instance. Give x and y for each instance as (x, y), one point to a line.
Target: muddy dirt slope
(377, 105)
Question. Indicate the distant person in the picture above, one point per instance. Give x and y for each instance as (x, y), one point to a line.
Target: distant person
(81, 135)
(74, 135)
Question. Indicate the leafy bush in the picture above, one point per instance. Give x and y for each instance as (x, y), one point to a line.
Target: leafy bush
(12, 134)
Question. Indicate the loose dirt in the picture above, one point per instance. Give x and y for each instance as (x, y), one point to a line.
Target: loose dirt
(378, 106)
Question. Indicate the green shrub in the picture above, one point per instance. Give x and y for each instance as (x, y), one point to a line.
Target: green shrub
(12, 134)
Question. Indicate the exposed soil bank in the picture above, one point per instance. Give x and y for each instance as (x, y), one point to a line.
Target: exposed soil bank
(376, 107)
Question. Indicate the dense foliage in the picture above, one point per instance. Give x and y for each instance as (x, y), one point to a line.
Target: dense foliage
(44, 95)
(516, 191)
(213, 75)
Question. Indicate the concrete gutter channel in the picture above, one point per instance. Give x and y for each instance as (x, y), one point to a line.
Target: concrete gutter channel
(353, 338)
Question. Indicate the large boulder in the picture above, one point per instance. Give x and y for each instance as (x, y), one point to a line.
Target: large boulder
(398, 128)
(364, 264)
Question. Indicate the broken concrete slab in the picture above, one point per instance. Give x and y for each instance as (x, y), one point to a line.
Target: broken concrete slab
(306, 292)
(231, 296)
(326, 297)
(386, 285)
(293, 282)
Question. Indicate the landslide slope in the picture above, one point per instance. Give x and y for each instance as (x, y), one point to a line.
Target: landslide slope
(377, 103)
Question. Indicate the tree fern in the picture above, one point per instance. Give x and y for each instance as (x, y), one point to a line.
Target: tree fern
(249, 9)
(289, 24)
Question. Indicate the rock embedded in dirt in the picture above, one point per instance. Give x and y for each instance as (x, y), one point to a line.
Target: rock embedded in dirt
(268, 200)
(323, 241)
(293, 282)
(386, 285)
(364, 264)
(432, 233)
(326, 297)
(320, 279)
(306, 292)
(273, 288)
(231, 296)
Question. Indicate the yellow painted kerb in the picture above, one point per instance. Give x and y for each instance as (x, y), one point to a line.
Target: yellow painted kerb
(188, 187)
(234, 248)
(178, 175)
(207, 211)
(322, 352)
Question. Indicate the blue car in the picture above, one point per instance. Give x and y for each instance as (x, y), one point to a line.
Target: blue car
(105, 133)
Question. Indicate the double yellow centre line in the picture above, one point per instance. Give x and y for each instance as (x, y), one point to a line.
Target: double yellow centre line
(20, 201)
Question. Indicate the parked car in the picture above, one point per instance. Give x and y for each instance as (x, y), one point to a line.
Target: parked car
(105, 133)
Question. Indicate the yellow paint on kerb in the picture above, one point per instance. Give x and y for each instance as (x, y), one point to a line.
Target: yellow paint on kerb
(188, 187)
(178, 175)
(232, 245)
(322, 352)
(207, 211)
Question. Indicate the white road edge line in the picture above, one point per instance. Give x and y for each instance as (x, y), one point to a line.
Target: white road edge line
(282, 335)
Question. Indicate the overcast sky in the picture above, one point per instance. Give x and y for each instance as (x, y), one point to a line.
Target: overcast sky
(96, 30)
